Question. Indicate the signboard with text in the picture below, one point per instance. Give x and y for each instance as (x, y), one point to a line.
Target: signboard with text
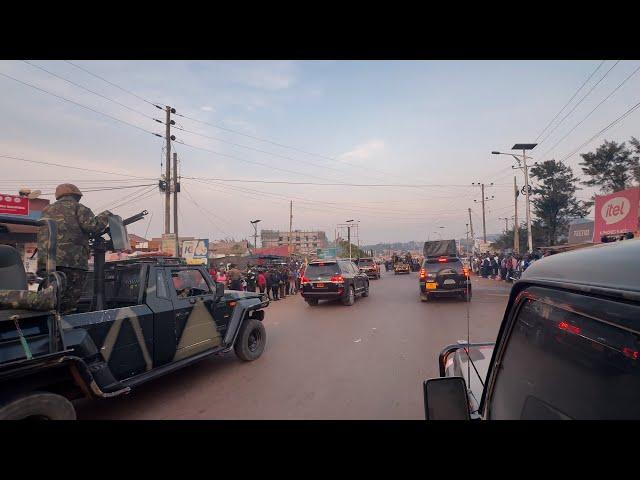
(616, 213)
(195, 251)
(14, 205)
(580, 233)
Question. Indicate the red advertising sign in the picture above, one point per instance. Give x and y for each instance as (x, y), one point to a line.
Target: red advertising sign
(14, 205)
(616, 213)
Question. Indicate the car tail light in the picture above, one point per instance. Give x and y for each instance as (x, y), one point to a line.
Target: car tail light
(337, 279)
(465, 271)
(567, 327)
(442, 259)
(423, 273)
(633, 354)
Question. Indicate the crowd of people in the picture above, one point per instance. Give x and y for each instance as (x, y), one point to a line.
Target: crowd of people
(502, 266)
(277, 281)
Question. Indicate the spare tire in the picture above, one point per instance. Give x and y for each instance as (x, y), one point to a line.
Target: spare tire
(37, 406)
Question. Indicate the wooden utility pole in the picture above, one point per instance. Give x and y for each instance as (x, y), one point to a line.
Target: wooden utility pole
(290, 223)
(167, 192)
(175, 201)
(516, 232)
(484, 224)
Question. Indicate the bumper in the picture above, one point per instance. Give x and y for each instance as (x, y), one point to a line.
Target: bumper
(440, 290)
(372, 274)
(322, 295)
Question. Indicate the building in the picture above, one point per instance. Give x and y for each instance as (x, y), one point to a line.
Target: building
(302, 241)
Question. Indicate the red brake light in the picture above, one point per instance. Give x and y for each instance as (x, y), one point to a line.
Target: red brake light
(442, 259)
(423, 273)
(630, 353)
(569, 328)
(465, 270)
(337, 279)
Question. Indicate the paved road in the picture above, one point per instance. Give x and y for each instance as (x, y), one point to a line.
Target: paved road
(367, 361)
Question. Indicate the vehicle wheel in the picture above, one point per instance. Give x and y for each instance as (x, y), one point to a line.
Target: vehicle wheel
(366, 291)
(424, 297)
(351, 298)
(312, 302)
(251, 340)
(37, 406)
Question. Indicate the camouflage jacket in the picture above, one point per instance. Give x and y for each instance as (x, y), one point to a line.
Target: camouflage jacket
(75, 223)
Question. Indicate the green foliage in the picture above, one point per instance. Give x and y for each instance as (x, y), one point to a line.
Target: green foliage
(554, 198)
(612, 166)
(343, 250)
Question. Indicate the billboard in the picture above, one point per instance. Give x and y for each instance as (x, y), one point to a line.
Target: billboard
(616, 213)
(14, 205)
(580, 233)
(326, 253)
(195, 251)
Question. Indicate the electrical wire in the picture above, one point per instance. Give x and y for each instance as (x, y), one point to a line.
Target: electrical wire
(88, 90)
(113, 84)
(79, 104)
(577, 104)
(216, 226)
(71, 167)
(574, 96)
(594, 109)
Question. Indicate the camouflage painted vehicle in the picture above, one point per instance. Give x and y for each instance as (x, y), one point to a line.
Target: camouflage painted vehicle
(137, 320)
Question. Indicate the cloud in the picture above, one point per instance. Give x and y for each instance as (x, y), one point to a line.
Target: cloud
(207, 108)
(364, 151)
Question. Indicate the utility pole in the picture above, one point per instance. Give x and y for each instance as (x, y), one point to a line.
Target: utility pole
(290, 223)
(484, 223)
(167, 193)
(516, 231)
(349, 239)
(176, 186)
(526, 189)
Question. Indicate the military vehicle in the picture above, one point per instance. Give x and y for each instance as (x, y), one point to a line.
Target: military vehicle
(568, 346)
(138, 319)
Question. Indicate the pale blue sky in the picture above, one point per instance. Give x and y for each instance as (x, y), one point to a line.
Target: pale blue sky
(432, 122)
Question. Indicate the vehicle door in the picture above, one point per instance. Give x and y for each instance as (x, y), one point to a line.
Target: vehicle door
(566, 356)
(358, 276)
(194, 302)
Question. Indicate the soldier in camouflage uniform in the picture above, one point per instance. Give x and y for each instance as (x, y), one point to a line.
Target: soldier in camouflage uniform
(27, 300)
(75, 224)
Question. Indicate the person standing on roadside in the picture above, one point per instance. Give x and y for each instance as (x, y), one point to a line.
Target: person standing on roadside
(261, 281)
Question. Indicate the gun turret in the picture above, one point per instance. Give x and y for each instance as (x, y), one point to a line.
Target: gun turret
(135, 218)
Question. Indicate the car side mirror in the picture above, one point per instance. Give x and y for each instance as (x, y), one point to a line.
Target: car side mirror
(219, 289)
(445, 398)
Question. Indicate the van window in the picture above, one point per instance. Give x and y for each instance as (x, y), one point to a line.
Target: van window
(561, 364)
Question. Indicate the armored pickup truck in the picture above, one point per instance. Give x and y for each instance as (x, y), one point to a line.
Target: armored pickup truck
(137, 320)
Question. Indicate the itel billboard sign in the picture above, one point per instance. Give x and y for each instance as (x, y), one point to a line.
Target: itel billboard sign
(14, 205)
(616, 213)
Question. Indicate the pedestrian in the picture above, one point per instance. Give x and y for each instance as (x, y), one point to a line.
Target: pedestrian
(282, 279)
(275, 287)
(261, 281)
(76, 223)
(222, 277)
(234, 278)
(251, 279)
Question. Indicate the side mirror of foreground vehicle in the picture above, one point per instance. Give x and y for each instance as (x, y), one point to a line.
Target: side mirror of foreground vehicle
(445, 398)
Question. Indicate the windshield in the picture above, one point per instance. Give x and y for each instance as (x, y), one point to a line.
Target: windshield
(365, 261)
(322, 270)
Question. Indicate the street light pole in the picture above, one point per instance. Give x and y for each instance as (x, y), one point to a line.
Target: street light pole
(255, 232)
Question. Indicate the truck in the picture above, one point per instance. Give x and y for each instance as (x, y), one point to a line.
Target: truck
(137, 320)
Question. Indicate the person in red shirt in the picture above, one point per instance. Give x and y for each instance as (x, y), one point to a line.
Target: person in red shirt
(262, 282)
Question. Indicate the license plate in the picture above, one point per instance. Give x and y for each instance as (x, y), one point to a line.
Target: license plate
(449, 281)
(431, 286)
(319, 285)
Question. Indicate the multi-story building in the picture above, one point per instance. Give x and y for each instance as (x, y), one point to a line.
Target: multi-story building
(304, 242)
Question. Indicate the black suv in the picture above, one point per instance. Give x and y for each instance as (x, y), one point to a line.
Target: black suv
(332, 280)
(444, 276)
(568, 346)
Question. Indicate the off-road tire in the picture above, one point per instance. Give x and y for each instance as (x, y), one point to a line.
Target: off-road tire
(312, 301)
(366, 291)
(37, 406)
(251, 340)
(350, 299)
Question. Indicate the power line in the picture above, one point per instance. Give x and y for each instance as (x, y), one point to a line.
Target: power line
(578, 104)
(79, 104)
(90, 91)
(88, 190)
(216, 226)
(595, 108)
(113, 84)
(72, 167)
(613, 123)
(570, 100)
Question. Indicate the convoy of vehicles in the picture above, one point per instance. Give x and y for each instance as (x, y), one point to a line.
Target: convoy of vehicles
(369, 267)
(568, 346)
(333, 280)
(442, 273)
(138, 320)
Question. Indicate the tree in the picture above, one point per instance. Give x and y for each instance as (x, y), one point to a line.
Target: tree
(554, 198)
(538, 236)
(611, 167)
(635, 143)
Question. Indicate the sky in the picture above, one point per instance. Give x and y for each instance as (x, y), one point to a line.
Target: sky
(423, 129)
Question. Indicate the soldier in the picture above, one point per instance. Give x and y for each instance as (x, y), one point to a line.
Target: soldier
(75, 224)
